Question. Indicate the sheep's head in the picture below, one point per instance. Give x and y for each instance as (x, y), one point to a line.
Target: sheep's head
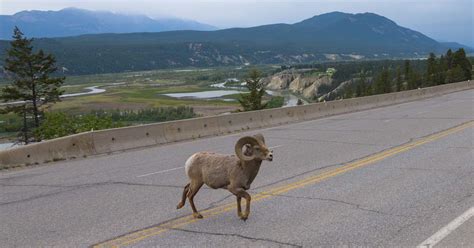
(253, 148)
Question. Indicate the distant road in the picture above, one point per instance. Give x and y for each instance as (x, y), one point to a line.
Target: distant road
(393, 176)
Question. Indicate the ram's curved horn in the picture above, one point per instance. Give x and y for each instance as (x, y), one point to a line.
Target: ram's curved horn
(240, 144)
(260, 138)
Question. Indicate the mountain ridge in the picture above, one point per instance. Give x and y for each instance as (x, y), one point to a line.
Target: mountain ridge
(327, 37)
(74, 21)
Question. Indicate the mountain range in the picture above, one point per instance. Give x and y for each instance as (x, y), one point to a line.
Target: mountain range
(74, 21)
(326, 37)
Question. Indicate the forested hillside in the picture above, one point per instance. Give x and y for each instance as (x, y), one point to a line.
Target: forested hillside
(329, 37)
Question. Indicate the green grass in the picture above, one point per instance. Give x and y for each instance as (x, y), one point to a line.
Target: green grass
(145, 88)
(191, 76)
(7, 135)
(137, 97)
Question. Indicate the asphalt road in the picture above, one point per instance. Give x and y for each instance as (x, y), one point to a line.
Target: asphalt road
(392, 176)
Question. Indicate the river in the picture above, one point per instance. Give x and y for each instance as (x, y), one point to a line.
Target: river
(6, 146)
(91, 91)
(290, 99)
(204, 94)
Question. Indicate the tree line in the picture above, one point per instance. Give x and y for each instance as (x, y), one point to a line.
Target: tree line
(448, 68)
(59, 124)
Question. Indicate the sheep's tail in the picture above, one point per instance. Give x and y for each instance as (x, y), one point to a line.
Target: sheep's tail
(189, 163)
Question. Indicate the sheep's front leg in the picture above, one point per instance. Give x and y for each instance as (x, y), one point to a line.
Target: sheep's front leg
(247, 206)
(239, 206)
(240, 192)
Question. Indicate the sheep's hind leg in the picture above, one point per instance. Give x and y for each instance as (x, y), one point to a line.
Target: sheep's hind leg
(194, 188)
(183, 198)
(239, 192)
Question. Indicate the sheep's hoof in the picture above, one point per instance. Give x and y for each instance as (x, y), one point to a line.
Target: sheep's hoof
(244, 217)
(180, 205)
(197, 215)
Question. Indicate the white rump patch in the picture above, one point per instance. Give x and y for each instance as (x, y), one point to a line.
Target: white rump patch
(188, 163)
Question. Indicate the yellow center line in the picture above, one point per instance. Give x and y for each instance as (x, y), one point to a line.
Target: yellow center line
(138, 236)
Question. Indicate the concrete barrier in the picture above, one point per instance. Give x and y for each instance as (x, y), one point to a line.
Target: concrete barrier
(117, 139)
(120, 139)
(70, 147)
(190, 129)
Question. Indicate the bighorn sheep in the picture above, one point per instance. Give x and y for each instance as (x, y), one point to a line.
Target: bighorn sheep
(234, 173)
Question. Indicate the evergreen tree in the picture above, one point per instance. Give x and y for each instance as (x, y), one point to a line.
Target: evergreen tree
(370, 90)
(32, 84)
(449, 59)
(348, 91)
(457, 74)
(442, 69)
(361, 88)
(406, 73)
(382, 85)
(460, 59)
(414, 80)
(399, 81)
(431, 71)
(407, 69)
(253, 99)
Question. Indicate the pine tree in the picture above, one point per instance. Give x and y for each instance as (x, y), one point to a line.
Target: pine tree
(407, 73)
(460, 59)
(253, 99)
(457, 74)
(407, 69)
(32, 84)
(382, 85)
(348, 91)
(431, 71)
(361, 88)
(414, 80)
(442, 69)
(399, 82)
(449, 59)
(370, 90)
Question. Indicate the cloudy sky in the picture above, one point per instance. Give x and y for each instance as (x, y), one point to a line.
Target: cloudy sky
(446, 20)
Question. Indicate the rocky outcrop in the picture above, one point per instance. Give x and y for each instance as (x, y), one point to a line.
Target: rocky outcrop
(280, 81)
(335, 92)
(302, 82)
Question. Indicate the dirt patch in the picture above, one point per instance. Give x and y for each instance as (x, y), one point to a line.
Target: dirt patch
(202, 109)
(210, 110)
(114, 105)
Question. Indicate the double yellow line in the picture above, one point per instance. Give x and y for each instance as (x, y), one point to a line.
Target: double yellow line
(138, 236)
